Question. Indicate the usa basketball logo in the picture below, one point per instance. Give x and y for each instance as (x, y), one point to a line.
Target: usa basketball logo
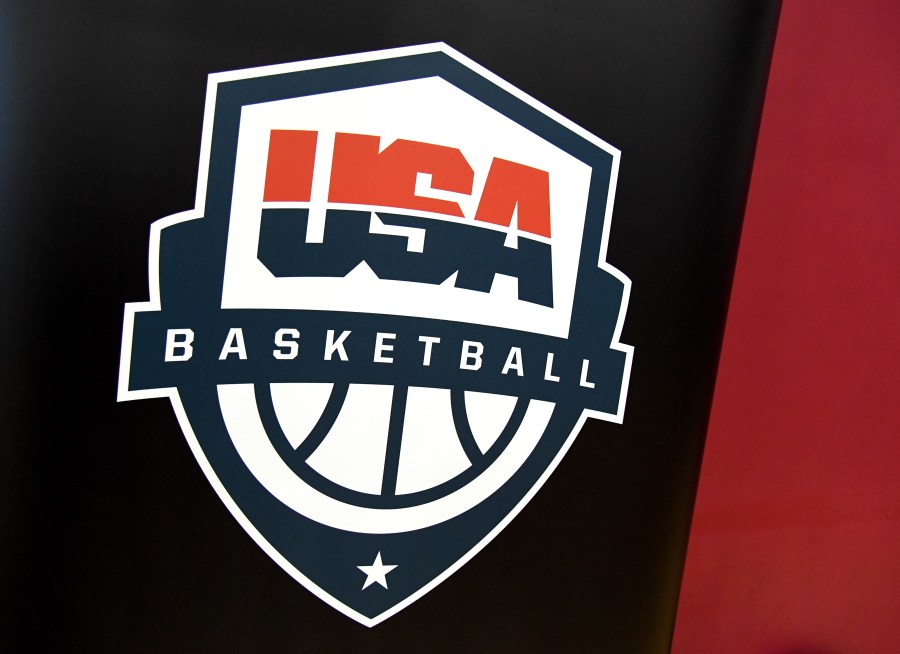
(388, 316)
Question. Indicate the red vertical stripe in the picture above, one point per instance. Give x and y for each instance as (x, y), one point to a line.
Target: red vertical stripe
(289, 170)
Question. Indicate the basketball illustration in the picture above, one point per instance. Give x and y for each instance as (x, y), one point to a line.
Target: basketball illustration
(417, 461)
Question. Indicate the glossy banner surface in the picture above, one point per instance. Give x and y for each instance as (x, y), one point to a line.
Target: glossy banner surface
(113, 540)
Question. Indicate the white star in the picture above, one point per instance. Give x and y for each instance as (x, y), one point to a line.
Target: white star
(376, 573)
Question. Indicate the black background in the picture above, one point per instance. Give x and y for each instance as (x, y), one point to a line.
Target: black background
(112, 539)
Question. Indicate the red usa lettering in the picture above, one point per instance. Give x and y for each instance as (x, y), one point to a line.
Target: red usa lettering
(364, 174)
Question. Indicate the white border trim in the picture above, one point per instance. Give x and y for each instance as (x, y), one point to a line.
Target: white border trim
(153, 304)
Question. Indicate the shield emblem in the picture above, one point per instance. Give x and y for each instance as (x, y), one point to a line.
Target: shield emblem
(388, 315)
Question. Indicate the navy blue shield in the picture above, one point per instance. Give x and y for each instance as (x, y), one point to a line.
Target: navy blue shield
(387, 317)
